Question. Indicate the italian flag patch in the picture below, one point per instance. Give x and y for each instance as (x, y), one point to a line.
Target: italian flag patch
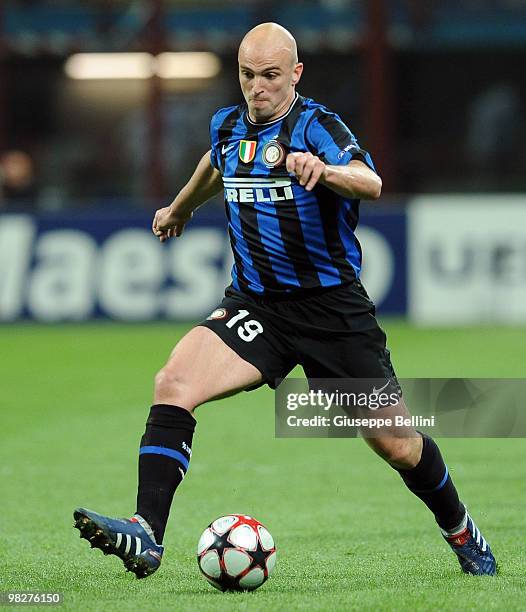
(247, 150)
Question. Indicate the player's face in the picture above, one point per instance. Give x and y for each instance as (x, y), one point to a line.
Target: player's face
(267, 81)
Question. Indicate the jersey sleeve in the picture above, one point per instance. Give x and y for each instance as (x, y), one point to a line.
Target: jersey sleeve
(332, 141)
(214, 157)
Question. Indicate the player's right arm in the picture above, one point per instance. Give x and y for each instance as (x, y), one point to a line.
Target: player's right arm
(205, 183)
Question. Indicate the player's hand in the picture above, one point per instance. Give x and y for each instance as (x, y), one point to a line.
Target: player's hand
(168, 223)
(308, 168)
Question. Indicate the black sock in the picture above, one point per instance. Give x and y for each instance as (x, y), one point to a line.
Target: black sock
(163, 461)
(430, 481)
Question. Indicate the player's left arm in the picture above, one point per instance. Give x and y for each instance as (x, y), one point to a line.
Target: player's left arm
(353, 180)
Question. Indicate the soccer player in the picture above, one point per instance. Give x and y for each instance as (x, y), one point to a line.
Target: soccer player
(293, 175)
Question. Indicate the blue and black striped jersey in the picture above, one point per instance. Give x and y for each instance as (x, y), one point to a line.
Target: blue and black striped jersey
(285, 238)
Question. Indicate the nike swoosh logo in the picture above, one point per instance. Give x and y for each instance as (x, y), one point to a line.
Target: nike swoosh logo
(376, 391)
(225, 148)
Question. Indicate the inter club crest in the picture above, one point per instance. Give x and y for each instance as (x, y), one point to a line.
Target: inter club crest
(273, 154)
(247, 150)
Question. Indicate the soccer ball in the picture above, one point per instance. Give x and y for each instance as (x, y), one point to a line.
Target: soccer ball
(236, 553)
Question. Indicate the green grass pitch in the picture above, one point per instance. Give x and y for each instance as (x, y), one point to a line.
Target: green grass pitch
(349, 535)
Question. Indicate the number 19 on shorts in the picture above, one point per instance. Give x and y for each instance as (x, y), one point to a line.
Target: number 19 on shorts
(248, 330)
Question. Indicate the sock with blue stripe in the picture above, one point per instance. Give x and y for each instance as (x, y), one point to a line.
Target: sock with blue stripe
(430, 481)
(164, 455)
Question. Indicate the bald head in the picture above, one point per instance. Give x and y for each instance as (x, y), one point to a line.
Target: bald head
(267, 36)
(268, 71)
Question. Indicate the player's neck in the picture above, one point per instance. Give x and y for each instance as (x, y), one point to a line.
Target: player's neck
(284, 110)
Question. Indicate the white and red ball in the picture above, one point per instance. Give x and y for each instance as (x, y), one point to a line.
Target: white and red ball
(236, 553)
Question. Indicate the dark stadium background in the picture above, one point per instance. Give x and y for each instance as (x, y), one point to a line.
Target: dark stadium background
(409, 77)
(91, 304)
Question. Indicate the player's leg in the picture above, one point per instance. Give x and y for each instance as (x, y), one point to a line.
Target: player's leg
(358, 351)
(201, 367)
(417, 458)
(419, 462)
(238, 351)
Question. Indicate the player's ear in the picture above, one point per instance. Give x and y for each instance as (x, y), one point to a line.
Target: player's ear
(297, 72)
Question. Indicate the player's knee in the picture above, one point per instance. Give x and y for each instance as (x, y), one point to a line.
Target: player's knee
(170, 388)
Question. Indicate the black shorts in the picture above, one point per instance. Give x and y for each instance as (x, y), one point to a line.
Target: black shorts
(333, 334)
